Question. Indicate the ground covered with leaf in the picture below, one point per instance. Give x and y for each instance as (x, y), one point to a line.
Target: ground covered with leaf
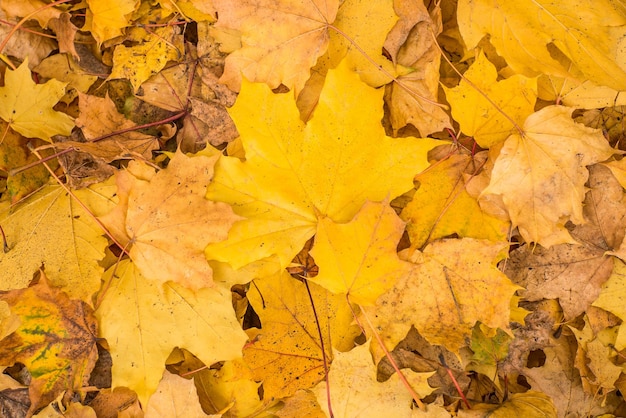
(312, 208)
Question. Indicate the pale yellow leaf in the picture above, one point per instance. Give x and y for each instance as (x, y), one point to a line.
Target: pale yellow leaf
(359, 258)
(531, 34)
(355, 392)
(71, 257)
(144, 320)
(541, 174)
(175, 397)
(168, 221)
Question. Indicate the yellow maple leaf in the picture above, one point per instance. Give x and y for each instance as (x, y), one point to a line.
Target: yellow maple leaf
(541, 174)
(72, 257)
(27, 106)
(169, 230)
(441, 206)
(355, 392)
(55, 340)
(144, 320)
(529, 34)
(490, 119)
(574, 273)
(229, 388)
(175, 397)
(577, 91)
(35, 9)
(359, 258)
(293, 33)
(612, 299)
(356, 36)
(528, 404)
(361, 29)
(294, 173)
(106, 18)
(137, 63)
(303, 404)
(66, 69)
(286, 353)
(618, 168)
(593, 359)
(453, 284)
(15, 153)
(296, 33)
(198, 10)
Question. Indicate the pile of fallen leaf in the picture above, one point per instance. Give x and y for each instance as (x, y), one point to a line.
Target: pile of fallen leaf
(310, 208)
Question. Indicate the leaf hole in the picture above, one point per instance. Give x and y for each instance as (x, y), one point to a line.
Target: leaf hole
(536, 358)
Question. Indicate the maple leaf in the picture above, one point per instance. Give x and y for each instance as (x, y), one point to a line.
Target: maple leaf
(148, 57)
(618, 168)
(71, 259)
(99, 117)
(27, 106)
(302, 404)
(14, 153)
(366, 264)
(66, 33)
(205, 101)
(593, 358)
(526, 404)
(413, 97)
(228, 388)
(488, 350)
(487, 109)
(453, 284)
(293, 33)
(63, 68)
(558, 381)
(33, 8)
(529, 34)
(574, 273)
(541, 174)
(169, 232)
(441, 206)
(611, 299)
(286, 353)
(55, 340)
(119, 400)
(355, 392)
(144, 320)
(175, 397)
(198, 10)
(357, 36)
(24, 43)
(106, 18)
(294, 173)
(577, 91)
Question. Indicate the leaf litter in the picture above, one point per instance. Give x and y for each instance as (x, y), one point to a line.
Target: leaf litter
(244, 258)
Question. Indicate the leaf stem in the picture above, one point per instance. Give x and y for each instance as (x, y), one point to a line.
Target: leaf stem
(456, 384)
(100, 138)
(4, 240)
(405, 382)
(82, 205)
(319, 331)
